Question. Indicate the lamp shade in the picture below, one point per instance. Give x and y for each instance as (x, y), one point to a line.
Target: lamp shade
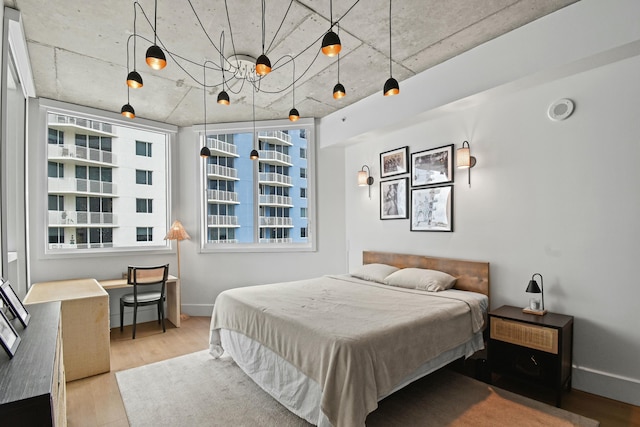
(254, 155)
(463, 158)
(294, 114)
(134, 80)
(363, 177)
(391, 87)
(339, 91)
(155, 58)
(331, 44)
(263, 65)
(128, 111)
(533, 287)
(205, 152)
(223, 98)
(177, 232)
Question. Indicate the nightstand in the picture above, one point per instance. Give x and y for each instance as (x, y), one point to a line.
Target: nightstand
(535, 349)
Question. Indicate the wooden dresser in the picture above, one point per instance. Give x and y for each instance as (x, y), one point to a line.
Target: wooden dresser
(32, 384)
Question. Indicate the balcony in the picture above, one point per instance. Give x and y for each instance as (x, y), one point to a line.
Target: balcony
(272, 178)
(274, 200)
(84, 126)
(275, 158)
(284, 240)
(80, 154)
(73, 218)
(220, 196)
(275, 137)
(224, 241)
(221, 148)
(80, 245)
(76, 185)
(222, 221)
(222, 172)
(276, 221)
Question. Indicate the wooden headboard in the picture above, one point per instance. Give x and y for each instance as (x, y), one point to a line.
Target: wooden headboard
(472, 275)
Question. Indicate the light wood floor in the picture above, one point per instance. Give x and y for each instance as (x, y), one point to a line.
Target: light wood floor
(96, 401)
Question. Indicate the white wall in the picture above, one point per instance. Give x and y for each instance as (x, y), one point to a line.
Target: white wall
(558, 198)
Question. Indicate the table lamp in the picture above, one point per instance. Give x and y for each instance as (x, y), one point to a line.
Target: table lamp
(536, 306)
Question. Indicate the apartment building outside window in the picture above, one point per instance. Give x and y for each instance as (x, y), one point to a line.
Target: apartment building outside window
(257, 205)
(92, 201)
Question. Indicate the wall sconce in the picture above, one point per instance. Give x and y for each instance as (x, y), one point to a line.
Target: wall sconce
(365, 178)
(536, 306)
(464, 159)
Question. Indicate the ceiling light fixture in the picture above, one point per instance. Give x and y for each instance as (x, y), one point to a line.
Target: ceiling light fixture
(339, 90)
(263, 65)
(205, 152)
(391, 86)
(294, 115)
(127, 110)
(155, 55)
(331, 42)
(134, 79)
(223, 96)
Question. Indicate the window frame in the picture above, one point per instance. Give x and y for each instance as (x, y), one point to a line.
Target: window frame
(40, 126)
(248, 127)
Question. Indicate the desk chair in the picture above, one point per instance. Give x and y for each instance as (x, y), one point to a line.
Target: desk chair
(141, 277)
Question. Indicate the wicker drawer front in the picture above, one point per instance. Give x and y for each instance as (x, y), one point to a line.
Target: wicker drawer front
(532, 336)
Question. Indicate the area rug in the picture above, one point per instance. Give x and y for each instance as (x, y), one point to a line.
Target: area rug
(197, 390)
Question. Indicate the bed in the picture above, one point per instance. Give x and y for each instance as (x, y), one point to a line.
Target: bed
(330, 348)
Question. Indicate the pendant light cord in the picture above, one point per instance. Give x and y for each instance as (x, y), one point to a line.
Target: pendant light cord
(134, 36)
(264, 10)
(331, 13)
(338, 57)
(155, 24)
(204, 99)
(390, 60)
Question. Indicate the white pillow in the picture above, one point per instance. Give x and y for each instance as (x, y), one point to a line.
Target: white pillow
(374, 272)
(421, 279)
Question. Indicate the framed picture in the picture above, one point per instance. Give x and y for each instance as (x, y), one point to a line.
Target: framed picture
(13, 302)
(433, 166)
(432, 208)
(394, 199)
(394, 162)
(9, 338)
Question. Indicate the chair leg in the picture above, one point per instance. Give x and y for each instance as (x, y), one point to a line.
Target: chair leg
(135, 318)
(161, 307)
(121, 315)
(159, 313)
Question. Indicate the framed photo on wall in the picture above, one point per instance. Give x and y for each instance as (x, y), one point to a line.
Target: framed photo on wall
(9, 338)
(10, 298)
(432, 208)
(434, 166)
(394, 162)
(394, 199)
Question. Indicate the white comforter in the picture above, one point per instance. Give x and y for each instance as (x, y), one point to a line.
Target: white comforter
(357, 339)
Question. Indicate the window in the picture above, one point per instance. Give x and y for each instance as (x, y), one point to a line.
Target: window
(94, 208)
(303, 232)
(144, 177)
(144, 205)
(144, 234)
(56, 170)
(254, 205)
(143, 148)
(303, 212)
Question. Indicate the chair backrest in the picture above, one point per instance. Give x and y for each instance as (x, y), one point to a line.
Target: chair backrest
(144, 276)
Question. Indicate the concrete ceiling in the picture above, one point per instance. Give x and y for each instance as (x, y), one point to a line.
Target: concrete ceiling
(78, 50)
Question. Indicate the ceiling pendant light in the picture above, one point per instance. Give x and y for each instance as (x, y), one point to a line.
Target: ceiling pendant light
(263, 65)
(331, 42)
(127, 110)
(391, 86)
(205, 152)
(134, 79)
(294, 115)
(155, 55)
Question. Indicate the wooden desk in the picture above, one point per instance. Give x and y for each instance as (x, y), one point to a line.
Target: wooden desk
(85, 323)
(172, 291)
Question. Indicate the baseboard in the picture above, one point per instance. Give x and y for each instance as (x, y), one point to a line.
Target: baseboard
(606, 384)
(197, 309)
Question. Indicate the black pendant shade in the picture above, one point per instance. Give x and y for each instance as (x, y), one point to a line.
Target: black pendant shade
(134, 80)
(155, 58)
(339, 91)
(128, 111)
(263, 65)
(294, 115)
(254, 155)
(223, 98)
(331, 44)
(391, 87)
(205, 152)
